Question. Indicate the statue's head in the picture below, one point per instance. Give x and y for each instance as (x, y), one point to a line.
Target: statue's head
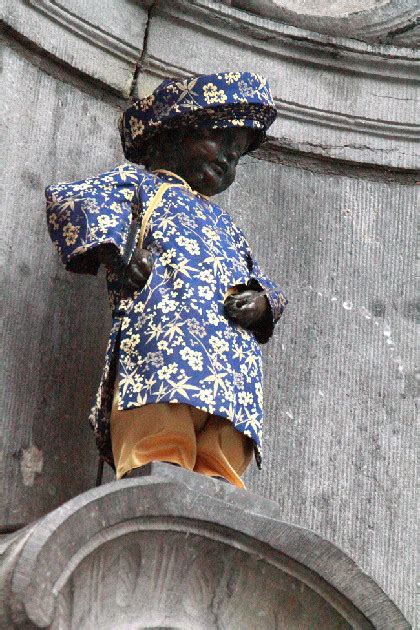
(199, 127)
(205, 158)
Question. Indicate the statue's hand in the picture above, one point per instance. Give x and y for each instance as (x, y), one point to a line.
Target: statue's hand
(248, 309)
(134, 276)
(137, 271)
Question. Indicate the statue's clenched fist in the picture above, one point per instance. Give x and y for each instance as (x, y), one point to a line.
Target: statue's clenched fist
(134, 276)
(248, 308)
(137, 271)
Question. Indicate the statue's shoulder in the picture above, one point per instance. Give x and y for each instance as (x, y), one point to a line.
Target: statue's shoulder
(123, 175)
(126, 173)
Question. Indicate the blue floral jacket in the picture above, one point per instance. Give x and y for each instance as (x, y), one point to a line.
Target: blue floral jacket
(170, 342)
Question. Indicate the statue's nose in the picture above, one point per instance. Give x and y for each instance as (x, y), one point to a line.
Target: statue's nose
(222, 160)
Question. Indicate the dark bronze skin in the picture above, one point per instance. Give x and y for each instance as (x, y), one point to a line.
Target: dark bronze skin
(207, 160)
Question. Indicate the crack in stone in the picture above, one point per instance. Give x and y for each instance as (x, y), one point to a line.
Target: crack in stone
(140, 62)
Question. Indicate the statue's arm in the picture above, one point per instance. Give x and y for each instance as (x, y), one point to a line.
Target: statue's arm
(89, 221)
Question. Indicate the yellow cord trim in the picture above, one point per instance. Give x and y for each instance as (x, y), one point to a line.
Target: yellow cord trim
(185, 183)
(165, 172)
(154, 202)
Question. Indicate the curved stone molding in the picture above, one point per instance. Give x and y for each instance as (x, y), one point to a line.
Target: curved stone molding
(176, 549)
(96, 37)
(385, 21)
(337, 98)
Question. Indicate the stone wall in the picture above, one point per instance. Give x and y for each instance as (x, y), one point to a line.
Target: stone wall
(329, 206)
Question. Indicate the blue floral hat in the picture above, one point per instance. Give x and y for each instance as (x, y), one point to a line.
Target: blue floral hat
(214, 101)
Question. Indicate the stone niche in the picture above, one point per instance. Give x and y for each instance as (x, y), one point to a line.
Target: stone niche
(177, 550)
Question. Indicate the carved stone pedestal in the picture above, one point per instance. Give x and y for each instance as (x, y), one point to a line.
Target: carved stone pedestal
(175, 549)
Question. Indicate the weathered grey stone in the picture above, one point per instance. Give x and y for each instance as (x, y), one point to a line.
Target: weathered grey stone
(367, 20)
(101, 38)
(56, 325)
(176, 549)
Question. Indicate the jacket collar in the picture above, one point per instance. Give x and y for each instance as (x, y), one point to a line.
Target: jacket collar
(173, 178)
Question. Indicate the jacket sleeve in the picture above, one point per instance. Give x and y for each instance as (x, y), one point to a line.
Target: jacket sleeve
(275, 296)
(85, 214)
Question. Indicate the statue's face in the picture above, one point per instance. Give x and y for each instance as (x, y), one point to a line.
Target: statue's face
(208, 158)
(205, 158)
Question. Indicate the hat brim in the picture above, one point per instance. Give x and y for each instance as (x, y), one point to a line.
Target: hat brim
(257, 117)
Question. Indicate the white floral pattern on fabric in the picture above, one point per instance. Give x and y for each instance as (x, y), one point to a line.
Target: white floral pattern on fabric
(175, 343)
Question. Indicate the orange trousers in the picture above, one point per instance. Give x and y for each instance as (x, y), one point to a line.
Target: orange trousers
(180, 434)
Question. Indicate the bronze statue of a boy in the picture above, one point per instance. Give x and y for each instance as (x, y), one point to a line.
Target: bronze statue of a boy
(182, 380)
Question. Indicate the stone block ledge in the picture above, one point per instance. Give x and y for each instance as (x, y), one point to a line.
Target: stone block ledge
(175, 549)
